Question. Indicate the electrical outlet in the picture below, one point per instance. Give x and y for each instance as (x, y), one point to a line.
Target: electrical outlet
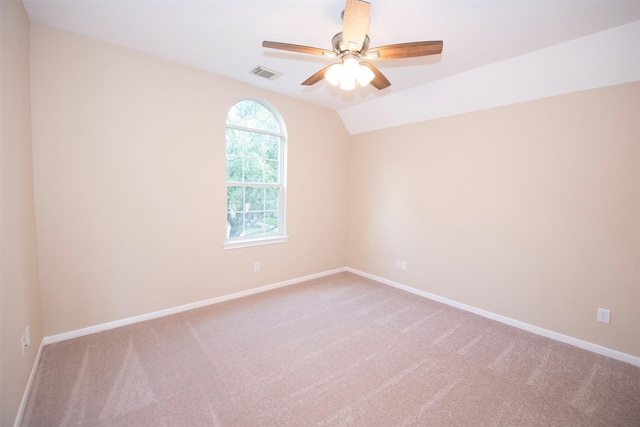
(397, 263)
(27, 335)
(256, 267)
(604, 315)
(403, 265)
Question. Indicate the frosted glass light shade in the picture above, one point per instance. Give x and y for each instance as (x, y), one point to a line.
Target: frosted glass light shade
(349, 74)
(348, 83)
(334, 74)
(365, 75)
(351, 66)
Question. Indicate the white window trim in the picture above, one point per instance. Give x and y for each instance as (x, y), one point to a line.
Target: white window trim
(236, 243)
(264, 132)
(259, 241)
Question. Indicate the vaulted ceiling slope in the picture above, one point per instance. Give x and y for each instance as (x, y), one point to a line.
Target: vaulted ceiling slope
(491, 48)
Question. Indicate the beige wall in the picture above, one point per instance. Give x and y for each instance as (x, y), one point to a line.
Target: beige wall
(129, 182)
(19, 294)
(531, 211)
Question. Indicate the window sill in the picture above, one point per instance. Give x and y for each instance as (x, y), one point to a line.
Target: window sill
(245, 243)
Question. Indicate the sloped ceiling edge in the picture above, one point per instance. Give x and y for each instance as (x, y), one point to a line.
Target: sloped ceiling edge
(602, 59)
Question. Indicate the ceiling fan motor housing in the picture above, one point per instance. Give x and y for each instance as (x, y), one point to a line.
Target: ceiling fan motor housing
(336, 44)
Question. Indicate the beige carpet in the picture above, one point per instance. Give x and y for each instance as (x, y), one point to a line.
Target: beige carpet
(340, 350)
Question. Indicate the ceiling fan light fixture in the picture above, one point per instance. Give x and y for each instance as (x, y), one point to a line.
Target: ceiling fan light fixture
(350, 66)
(365, 75)
(334, 74)
(349, 74)
(348, 83)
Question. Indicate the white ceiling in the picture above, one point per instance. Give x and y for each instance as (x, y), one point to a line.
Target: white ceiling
(224, 37)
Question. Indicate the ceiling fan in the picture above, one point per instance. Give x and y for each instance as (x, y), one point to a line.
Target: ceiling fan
(352, 47)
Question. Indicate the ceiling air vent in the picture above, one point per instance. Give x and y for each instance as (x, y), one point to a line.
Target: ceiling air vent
(266, 73)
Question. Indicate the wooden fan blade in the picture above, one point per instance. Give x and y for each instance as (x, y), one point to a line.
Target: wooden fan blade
(379, 81)
(355, 24)
(405, 50)
(316, 77)
(298, 48)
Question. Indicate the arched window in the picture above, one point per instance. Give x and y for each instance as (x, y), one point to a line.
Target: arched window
(255, 175)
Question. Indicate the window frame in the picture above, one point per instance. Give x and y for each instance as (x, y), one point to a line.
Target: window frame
(262, 239)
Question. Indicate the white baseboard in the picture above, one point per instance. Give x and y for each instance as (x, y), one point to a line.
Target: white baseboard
(595, 348)
(27, 390)
(624, 357)
(173, 310)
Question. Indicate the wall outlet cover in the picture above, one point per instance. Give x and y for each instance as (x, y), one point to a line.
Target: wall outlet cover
(604, 315)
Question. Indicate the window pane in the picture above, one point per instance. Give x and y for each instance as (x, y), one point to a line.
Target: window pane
(254, 224)
(253, 123)
(254, 146)
(235, 222)
(234, 116)
(235, 214)
(271, 175)
(234, 142)
(254, 199)
(271, 124)
(241, 113)
(253, 170)
(271, 223)
(272, 195)
(234, 169)
(272, 148)
(252, 114)
(234, 199)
